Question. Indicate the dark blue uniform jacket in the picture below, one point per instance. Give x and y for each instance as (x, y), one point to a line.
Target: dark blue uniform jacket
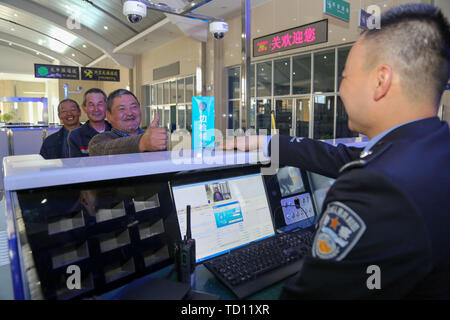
(390, 209)
(52, 147)
(79, 139)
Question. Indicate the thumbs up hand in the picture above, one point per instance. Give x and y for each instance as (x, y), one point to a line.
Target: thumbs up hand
(154, 138)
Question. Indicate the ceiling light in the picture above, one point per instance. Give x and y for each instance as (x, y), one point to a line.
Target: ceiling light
(73, 54)
(15, 14)
(12, 29)
(37, 53)
(105, 27)
(84, 46)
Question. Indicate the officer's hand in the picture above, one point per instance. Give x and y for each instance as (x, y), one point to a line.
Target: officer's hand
(154, 138)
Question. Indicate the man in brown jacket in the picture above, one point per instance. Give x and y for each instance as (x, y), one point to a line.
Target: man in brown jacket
(124, 113)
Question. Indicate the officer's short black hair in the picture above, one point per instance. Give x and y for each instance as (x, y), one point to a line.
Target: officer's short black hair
(66, 100)
(93, 90)
(117, 93)
(416, 39)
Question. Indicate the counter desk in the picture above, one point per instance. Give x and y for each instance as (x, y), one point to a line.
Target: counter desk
(110, 220)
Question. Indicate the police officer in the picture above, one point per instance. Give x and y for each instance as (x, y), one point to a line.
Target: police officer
(384, 230)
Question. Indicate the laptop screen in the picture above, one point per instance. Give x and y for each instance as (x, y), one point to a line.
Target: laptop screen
(225, 213)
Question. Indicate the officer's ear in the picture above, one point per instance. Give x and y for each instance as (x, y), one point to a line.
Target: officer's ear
(383, 81)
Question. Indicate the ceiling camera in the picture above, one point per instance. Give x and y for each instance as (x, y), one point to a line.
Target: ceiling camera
(218, 29)
(134, 10)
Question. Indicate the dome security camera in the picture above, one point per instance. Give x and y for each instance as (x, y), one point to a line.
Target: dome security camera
(134, 10)
(218, 29)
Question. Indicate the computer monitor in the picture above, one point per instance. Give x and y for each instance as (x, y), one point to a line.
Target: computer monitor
(226, 213)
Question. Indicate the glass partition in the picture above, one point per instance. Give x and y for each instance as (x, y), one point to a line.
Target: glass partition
(282, 77)
(283, 116)
(263, 109)
(264, 79)
(323, 117)
(324, 71)
(302, 111)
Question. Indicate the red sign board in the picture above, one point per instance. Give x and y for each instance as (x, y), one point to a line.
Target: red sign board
(298, 37)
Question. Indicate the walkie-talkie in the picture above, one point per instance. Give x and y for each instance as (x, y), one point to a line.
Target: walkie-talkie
(185, 253)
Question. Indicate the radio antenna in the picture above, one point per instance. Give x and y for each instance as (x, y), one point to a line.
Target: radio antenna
(188, 222)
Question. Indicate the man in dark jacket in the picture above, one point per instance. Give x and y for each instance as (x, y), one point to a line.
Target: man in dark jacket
(55, 146)
(384, 228)
(94, 104)
(124, 113)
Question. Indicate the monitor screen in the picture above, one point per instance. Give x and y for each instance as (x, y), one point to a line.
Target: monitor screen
(225, 213)
(290, 181)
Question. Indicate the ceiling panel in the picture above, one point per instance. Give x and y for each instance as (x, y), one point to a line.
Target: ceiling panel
(102, 13)
(45, 41)
(166, 33)
(25, 50)
(42, 32)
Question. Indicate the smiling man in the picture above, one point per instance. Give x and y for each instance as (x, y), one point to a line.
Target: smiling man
(124, 113)
(55, 146)
(94, 105)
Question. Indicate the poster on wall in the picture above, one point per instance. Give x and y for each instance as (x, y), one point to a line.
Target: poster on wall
(202, 122)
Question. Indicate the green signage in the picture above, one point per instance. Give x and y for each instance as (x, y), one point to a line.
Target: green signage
(51, 71)
(337, 8)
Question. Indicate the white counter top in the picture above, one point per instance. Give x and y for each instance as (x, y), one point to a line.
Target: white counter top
(33, 171)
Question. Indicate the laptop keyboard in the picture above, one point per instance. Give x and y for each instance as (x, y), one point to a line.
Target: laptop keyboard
(251, 268)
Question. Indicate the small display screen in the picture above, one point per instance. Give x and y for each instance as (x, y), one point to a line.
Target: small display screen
(290, 181)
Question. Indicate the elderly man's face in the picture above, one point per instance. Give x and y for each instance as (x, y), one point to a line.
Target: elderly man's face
(354, 89)
(125, 114)
(95, 107)
(69, 114)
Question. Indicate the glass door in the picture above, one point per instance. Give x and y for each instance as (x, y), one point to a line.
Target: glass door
(283, 116)
(302, 114)
(263, 109)
(181, 116)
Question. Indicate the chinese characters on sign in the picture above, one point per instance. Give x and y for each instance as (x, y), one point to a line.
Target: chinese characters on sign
(100, 74)
(337, 8)
(302, 36)
(56, 72)
(203, 122)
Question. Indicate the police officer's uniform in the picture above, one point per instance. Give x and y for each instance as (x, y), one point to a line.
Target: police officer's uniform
(385, 228)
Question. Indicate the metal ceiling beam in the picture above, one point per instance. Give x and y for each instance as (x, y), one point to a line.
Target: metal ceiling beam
(33, 46)
(84, 33)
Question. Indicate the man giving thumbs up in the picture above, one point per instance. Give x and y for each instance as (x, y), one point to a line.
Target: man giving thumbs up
(124, 113)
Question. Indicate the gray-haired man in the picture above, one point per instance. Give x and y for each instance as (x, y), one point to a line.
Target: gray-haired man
(124, 113)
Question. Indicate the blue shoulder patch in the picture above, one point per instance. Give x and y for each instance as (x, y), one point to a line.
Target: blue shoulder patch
(339, 231)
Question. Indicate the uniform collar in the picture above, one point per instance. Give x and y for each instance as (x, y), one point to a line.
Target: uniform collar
(368, 149)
